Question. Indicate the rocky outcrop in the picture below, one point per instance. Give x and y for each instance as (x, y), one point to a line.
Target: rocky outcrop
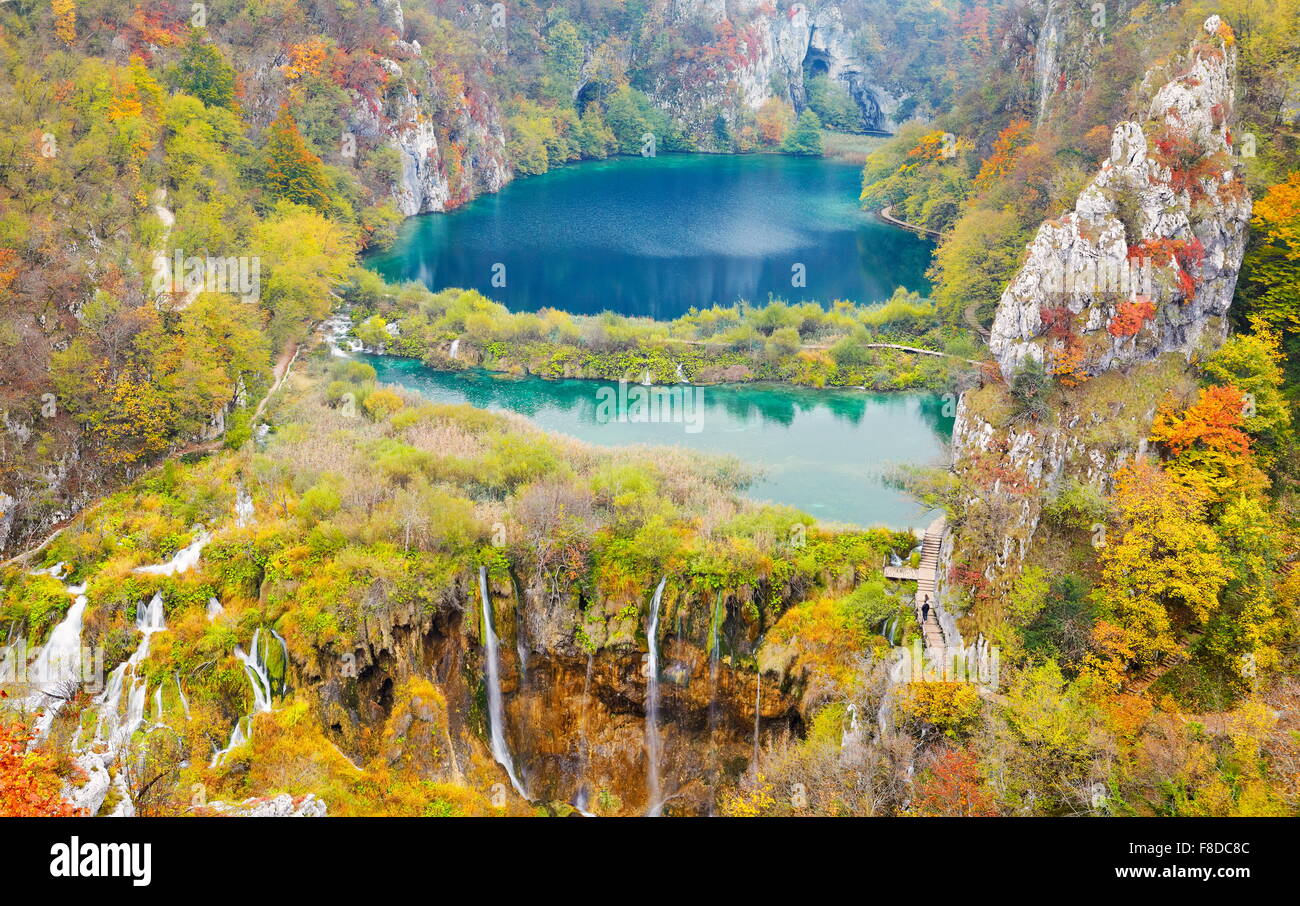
(1063, 42)
(1162, 226)
(282, 806)
(442, 162)
(1133, 282)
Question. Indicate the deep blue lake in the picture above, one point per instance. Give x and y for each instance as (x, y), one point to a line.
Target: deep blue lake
(656, 236)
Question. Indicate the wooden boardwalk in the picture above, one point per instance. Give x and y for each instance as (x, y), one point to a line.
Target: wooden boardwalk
(926, 577)
(927, 584)
(887, 214)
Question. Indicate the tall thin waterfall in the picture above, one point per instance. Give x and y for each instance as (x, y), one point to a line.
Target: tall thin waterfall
(244, 510)
(496, 707)
(110, 728)
(455, 348)
(758, 711)
(581, 800)
(652, 705)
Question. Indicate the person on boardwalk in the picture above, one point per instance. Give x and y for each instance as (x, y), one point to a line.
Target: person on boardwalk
(925, 609)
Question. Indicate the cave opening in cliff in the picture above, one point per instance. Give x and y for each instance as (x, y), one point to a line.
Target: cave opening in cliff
(816, 63)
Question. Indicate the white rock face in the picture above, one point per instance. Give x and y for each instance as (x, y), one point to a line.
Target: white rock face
(424, 183)
(1115, 247)
(7, 506)
(282, 806)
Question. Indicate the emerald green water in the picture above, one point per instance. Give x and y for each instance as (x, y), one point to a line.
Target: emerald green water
(656, 236)
(824, 451)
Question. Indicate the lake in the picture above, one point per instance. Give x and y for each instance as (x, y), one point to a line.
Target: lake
(826, 452)
(656, 236)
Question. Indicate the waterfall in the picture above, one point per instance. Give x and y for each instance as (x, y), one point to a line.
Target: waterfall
(243, 508)
(336, 336)
(652, 705)
(455, 348)
(681, 375)
(259, 678)
(214, 608)
(852, 731)
(184, 560)
(255, 667)
(758, 710)
(496, 708)
(58, 662)
(112, 732)
(185, 702)
(149, 618)
(582, 805)
(580, 801)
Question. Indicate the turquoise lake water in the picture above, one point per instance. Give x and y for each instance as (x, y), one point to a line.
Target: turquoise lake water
(827, 452)
(656, 236)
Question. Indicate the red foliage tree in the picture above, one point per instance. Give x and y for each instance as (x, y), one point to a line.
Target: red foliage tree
(953, 788)
(1131, 316)
(29, 785)
(293, 170)
(1213, 421)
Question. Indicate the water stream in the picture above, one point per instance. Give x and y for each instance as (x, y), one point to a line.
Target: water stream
(652, 706)
(496, 705)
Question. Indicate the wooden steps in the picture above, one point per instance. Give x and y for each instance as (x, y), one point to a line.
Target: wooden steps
(927, 584)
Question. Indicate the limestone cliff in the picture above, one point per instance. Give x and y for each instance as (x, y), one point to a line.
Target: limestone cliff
(774, 52)
(1114, 298)
(575, 718)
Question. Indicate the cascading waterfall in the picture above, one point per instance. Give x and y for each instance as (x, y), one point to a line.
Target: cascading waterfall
(149, 619)
(889, 629)
(214, 608)
(184, 560)
(60, 660)
(652, 705)
(455, 348)
(112, 731)
(185, 702)
(336, 336)
(496, 707)
(264, 692)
